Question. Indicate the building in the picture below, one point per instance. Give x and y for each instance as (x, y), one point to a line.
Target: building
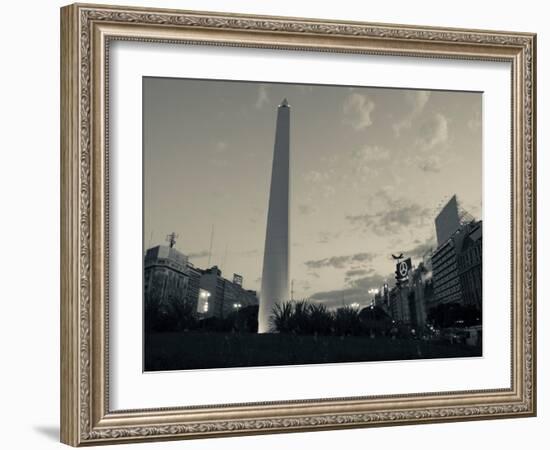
(447, 287)
(453, 225)
(165, 283)
(447, 221)
(275, 272)
(470, 266)
(457, 267)
(219, 297)
(399, 304)
(421, 294)
(193, 290)
(212, 288)
(382, 299)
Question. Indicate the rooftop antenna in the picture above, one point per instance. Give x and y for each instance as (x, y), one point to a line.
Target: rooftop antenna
(224, 258)
(210, 250)
(150, 240)
(291, 290)
(171, 238)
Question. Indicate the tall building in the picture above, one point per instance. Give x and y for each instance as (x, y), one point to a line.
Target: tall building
(275, 273)
(470, 266)
(447, 287)
(446, 266)
(447, 221)
(165, 283)
(421, 294)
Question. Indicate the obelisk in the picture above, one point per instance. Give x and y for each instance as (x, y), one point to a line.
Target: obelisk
(275, 273)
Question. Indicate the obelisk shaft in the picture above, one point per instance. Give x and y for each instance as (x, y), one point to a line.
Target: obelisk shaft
(275, 273)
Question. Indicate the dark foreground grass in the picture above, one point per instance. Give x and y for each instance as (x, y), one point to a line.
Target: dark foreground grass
(192, 350)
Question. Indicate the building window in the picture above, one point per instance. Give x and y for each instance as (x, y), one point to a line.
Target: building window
(204, 301)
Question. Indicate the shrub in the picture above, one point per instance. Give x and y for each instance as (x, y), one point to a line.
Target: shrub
(302, 317)
(346, 321)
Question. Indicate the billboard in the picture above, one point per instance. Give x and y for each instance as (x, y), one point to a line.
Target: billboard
(402, 269)
(237, 279)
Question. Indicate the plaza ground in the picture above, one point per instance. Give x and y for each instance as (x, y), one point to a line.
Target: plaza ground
(207, 350)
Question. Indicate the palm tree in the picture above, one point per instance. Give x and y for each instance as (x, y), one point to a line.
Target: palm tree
(300, 317)
(346, 321)
(321, 320)
(281, 318)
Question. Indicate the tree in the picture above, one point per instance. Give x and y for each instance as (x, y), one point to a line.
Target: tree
(281, 318)
(346, 321)
(321, 320)
(246, 319)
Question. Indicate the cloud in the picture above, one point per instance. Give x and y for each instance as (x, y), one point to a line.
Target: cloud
(197, 255)
(433, 164)
(394, 216)
(429, 149)
(417, 100)
(371, 153)
(369, 158)
(328, 191)
(326, 236)
(339, 262)
(391, 221)
(314, 176)
(338, 297)
(306, 209)
(357, 292)
(330, 159)
(433, 132)
(358, 109)
(353, 273)
(302, 284)
(323, 188)
(370, 282)
(263, 96)
(419, 250)
(356, 272)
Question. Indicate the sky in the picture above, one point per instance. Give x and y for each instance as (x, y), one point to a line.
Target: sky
(370, 170)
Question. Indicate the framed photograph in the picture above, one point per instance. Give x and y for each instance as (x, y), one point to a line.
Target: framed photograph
(274, 224)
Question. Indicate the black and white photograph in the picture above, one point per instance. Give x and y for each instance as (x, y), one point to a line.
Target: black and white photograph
(294, 224)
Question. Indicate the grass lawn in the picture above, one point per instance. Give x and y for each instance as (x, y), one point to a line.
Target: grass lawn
(202, 350)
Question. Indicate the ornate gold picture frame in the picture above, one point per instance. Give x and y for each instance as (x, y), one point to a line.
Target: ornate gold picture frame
(87, 31)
